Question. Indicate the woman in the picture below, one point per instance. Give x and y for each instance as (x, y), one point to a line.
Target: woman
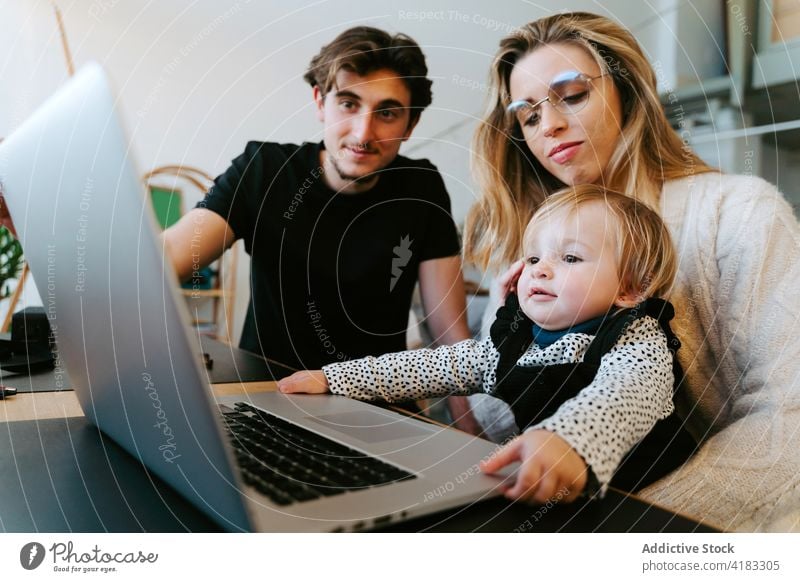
(573, 100)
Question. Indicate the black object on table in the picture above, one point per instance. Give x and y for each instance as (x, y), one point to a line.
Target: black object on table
(615, 513)
(27, 348)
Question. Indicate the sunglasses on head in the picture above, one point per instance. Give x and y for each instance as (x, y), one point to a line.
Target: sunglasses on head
(568, 93)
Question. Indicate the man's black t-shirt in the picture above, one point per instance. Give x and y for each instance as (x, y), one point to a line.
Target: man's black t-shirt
(332, 274)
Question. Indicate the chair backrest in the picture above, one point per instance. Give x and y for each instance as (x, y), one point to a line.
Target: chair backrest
(167, 203)
(165, 193)
(194, 176)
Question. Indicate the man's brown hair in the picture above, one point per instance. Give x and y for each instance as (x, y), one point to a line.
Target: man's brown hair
(362, 50)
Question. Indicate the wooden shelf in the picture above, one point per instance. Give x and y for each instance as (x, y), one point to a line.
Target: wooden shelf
(731, 87)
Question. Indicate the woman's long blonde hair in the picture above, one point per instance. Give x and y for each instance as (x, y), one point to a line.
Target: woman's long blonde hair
(512, 183)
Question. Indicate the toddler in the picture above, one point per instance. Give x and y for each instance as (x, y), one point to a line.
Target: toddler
(582, 352)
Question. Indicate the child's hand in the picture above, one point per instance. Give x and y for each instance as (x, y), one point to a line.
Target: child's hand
(508, 280)
(548, 465)
(305, 381)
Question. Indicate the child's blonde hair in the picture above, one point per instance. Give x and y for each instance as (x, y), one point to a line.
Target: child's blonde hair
(646, 258)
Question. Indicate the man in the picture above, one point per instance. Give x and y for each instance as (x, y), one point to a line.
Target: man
(338, 232)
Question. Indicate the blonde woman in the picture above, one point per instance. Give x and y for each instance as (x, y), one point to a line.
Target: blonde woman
(573, 100)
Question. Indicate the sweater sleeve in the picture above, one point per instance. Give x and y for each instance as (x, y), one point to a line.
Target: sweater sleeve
(748, 470)
(463, 368)
(631, 391)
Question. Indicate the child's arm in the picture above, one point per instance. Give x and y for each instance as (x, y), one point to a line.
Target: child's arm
(631, 391)
(550, 469)
(447, 370)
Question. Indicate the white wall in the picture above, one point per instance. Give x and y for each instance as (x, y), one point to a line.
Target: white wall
(198, 79)
(685, 41)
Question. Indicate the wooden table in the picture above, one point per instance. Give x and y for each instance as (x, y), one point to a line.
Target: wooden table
(64, 404)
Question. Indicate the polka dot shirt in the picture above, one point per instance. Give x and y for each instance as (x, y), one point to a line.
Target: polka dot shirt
(631, 391)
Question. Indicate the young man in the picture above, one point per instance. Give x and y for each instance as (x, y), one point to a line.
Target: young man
(338, 232)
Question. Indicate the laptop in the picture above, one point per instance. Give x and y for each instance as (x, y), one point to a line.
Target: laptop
(272, 462)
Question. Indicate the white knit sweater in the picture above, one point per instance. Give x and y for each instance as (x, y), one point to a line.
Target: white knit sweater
(737, 305)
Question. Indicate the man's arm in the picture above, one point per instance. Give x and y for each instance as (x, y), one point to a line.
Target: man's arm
(197, 239)
(441, 287)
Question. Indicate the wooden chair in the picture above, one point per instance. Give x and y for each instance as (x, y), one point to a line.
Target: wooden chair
(166, 195)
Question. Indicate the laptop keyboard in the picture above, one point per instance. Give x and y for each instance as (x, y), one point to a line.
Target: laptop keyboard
(289, 464)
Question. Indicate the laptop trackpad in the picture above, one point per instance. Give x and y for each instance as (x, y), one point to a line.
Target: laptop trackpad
(370, 426)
